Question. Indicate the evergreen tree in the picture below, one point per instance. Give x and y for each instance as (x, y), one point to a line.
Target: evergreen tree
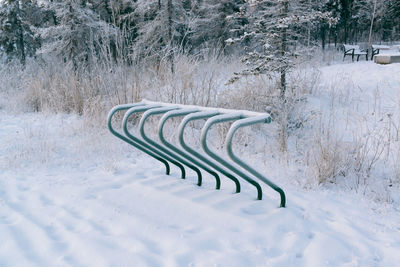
(390, 21)
(18, 22)
(163, 28)
(120, 15)
(276, 32)
(79, 35)
(213, 24)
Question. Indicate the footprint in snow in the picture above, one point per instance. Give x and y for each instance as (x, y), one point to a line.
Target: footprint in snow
(45, 200)
(90, 196)
(9, 220)
(23, 188)
(152, 181)
(116, 186)
(72, 212)
(311, 235)
(257, 209)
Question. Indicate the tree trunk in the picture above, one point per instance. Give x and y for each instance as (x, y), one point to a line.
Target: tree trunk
(20, 40)
(345, 17)
(372, 23)
(323, 37)
(285, 8)
(170, 37)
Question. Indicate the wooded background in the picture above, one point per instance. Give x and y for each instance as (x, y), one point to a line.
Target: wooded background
(87, 31)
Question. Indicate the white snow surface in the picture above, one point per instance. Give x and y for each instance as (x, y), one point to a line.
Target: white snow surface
(71, 195)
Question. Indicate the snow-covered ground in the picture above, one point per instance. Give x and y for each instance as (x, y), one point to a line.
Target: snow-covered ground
(74, 195)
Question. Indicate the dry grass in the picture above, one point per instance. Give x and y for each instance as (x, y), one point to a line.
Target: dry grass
(334, 156)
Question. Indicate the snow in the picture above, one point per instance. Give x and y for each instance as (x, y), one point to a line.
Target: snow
(74, 195)
(244, 113)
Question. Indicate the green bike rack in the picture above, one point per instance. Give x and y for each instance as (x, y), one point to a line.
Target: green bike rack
(209, 161)
(142, 122)
(178, 113)
(139, 146)
(229, 137)
(203, 158)
(224, 118)
(134, 110)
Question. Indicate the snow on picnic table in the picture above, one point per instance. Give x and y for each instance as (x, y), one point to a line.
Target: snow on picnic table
(83, 198)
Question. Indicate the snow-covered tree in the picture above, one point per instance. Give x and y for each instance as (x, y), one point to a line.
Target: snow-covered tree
(163, 27)
(389, 22)
(79, 35)
(275, 33)
(213, 25)
(120, 14)
(355, 18)
(18, 22)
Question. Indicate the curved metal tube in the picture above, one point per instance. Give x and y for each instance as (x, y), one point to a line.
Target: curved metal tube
(178, 113)
(162, 110)
(181, 129)
(229, 137)
(129, 113)
(224, 118)
(131, 142)
(166, 152)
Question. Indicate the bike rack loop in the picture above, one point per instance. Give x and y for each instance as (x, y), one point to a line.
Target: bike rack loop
(134, 110)
(181, 129)
(163, 152)
(224, 118)
(178, 113)
(131, 142)
(142, 122)
(229, 137)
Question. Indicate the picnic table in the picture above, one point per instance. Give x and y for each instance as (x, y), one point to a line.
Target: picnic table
(354, 50)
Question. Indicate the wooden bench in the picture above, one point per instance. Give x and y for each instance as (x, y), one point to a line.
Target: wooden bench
(377, 48)
(354, 50)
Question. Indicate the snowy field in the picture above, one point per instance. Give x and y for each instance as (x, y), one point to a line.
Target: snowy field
(74, 195)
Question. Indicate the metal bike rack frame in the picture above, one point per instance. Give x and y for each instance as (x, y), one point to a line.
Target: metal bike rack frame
(209, 161)
(203, 158)
(224, 118)
(134, 110)
(139, 146)
(229, 137)
(156, 111)
(178, 113)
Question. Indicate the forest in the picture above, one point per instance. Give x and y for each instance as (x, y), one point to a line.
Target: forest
(121, 31)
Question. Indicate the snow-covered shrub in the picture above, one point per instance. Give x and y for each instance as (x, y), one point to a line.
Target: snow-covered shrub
(13, 84)
(262, 93)
(330, 155)
(354, 135)
(337, 154)
(58, 87)
(193, 81)
(394, 164)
